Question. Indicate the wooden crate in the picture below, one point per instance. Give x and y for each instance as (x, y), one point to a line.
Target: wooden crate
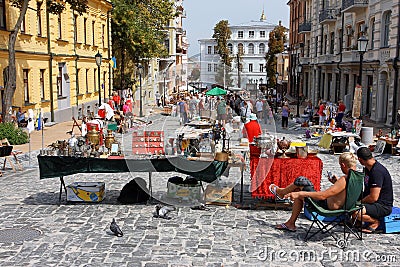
(215, 195)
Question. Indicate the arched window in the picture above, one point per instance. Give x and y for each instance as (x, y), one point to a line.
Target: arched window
(240, 49)
(251, 49)
(230, 48)
(386, 28)
(261, 49)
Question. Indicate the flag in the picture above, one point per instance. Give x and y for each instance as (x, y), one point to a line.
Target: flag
(113, 62)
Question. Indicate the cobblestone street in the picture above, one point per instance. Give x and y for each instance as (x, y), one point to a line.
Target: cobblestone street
(78, 234)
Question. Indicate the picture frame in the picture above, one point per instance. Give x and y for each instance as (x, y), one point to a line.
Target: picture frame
(114, 148)
(379, 147)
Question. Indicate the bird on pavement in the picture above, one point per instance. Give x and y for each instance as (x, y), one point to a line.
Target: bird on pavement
(161, 212)
(115, 229)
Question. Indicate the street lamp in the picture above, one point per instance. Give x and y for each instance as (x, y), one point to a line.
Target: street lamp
(98, 63)
(298, 70)
(140, 67)
(276, 91)
(362, 48)
(165, 76)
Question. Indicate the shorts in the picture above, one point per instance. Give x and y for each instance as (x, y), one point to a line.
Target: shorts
(308, 186)
(377, 210)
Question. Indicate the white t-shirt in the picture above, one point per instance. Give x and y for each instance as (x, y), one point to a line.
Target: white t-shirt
(259, 106)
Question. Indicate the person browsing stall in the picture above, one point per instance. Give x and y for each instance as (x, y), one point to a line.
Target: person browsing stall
(378, 190)
(333, 198)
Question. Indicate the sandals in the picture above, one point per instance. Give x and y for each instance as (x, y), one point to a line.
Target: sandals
(272, 189)
(283, 227)
(370, 230)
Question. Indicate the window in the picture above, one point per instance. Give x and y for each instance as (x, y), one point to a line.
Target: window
(325, 44)
(240, 49)
(87, 81)
(78, 72)
(372, 33)
(261, 49)
(26, 85)
(230, 48)
(93, 35)
(215, 49)
(42, 93)
(209, 67)
(39, 18)
(262, 34)
(59, 82)
(340, 40)
(251, 34)
(84, 30)
(250, 67)
(332, 43)
(209, 50)
(349, 38)
(23, 25)
(104, 83)
(102, 34)
(240, 34)
(261, 68)
(251, 49)
(215, 67)
(2, 14)
(59, 27)
(316, 46)
(75, 28)
(386, 28)
(94, 80)
(308, 48)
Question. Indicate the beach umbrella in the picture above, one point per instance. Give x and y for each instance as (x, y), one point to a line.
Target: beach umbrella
(216, 91)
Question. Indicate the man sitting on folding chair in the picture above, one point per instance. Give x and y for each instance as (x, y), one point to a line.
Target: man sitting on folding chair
(331, 199)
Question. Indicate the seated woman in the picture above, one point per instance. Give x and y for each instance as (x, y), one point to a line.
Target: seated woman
(333, 198)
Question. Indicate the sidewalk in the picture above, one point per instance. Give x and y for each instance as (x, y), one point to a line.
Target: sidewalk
(50, 134)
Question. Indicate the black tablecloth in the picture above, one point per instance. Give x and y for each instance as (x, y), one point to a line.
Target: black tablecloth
(57, 166)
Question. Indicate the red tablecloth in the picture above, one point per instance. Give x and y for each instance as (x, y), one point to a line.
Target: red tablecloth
(283, 172)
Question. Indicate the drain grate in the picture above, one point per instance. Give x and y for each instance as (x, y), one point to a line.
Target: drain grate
(16, 235)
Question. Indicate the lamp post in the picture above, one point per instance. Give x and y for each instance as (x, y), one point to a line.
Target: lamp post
(362, 48)
(140, 67)
(98, 63)
(276, 92)
(165, 76)
(298, 70)
(261, 82)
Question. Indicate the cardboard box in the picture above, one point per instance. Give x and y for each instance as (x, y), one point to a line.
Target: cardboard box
(86, 192)
(185, 192)
(218, 195)
(391, 223)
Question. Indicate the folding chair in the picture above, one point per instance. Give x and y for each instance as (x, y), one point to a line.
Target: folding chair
(341, 217)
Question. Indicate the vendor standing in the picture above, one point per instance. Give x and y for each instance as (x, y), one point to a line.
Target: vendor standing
(252, 129)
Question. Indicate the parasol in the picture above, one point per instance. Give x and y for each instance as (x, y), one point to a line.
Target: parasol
(216, 91)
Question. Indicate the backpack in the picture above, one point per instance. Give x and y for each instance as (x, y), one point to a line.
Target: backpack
(134, 192)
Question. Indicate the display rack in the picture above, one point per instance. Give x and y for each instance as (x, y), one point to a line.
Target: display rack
(148, 142)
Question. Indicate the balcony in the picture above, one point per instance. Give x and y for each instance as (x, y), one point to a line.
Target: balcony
(328, 58)
(327, 15)
(354, 5)
(304, 60)
(384, 54)
(305, 27)
(350, 56)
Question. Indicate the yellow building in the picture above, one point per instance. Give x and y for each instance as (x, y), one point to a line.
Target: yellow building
(60, 75)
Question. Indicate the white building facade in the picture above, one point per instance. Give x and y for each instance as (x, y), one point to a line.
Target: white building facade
(250, 40)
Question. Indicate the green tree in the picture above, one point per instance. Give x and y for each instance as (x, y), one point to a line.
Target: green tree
(222, 79)
(10, 73)
(138, 31)
(222, 34)
(276, 42)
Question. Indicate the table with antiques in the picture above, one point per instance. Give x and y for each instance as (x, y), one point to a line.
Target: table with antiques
(280, 164)
(391, 144)
(337, 141)
(60, 166)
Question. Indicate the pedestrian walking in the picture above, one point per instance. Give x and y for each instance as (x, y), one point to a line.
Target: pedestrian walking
(285, 115)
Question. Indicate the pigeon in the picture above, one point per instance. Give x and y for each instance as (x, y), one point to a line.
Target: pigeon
(115, 229)
(161, 212)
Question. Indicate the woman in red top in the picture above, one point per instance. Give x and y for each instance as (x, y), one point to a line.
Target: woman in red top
(321, 113)
(340, 112)
(250, 130)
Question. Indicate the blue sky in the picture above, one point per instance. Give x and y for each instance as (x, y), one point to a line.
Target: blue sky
(202, 15)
